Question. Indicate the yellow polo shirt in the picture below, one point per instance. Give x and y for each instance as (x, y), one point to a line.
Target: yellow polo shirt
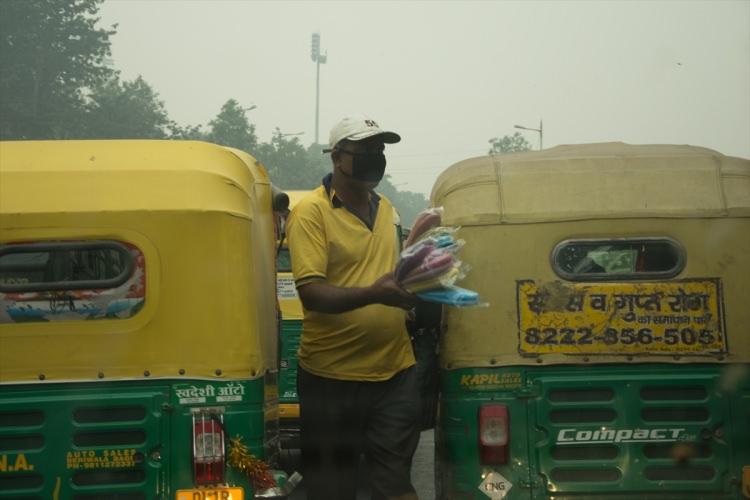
(327, 242)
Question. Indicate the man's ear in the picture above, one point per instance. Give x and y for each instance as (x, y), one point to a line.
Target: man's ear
(336, 159)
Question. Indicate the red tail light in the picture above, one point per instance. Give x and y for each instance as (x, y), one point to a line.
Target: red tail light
(494, 436)
(209, 452)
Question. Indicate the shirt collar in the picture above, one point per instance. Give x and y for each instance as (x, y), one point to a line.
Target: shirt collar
(336, 201)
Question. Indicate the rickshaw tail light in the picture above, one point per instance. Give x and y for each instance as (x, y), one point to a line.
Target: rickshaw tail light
(494, 436)
(209, 448)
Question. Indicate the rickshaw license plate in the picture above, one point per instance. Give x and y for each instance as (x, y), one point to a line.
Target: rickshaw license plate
(211, 494)
(677, 317)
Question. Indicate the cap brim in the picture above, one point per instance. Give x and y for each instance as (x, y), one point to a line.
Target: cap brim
(388, 137)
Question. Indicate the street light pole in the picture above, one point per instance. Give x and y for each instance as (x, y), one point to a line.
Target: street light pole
(540, 130)
(319, 59)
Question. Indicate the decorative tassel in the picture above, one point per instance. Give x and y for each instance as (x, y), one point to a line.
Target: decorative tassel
(254, 468)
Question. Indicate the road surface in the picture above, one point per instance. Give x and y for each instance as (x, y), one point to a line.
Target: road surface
(422, 475)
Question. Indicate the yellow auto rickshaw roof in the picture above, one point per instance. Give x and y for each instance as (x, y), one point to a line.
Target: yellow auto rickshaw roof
(105, 176)
(296, 196)
(578, 182)
(200, 214)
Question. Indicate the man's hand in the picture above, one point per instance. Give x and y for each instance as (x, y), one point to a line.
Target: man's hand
(387, 291)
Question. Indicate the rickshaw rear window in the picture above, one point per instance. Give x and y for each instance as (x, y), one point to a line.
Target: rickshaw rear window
(54, 266)
(642, 258)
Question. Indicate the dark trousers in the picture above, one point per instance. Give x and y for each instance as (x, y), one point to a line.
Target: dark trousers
(341, 419)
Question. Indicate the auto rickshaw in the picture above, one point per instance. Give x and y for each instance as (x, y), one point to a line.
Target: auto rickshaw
(291, 330)
(138, 336)
(613, 360)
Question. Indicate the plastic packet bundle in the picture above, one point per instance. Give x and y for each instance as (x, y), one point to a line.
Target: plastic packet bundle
(446, 278)
(429, 266)
(412, 257)
(435, 265)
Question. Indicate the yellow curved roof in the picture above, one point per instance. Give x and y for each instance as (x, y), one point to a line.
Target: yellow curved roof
(200, 214)
(100, 176)
(296, 196)
(577, 182)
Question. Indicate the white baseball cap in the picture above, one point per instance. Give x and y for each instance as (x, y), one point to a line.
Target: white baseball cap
(356, 128)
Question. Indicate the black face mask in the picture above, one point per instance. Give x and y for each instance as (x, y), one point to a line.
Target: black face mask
(367, 167)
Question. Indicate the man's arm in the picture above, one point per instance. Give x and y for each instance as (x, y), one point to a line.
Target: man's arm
(322, 297)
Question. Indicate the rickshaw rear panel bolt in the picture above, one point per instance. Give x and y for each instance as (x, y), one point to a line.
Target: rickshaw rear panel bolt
(539, 360)
(42, 376)
(493, 361)
(182, 371)
(100, 374)
(218, 372)
(146, 373)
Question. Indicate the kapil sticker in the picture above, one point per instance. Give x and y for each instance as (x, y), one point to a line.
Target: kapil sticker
(495, 486)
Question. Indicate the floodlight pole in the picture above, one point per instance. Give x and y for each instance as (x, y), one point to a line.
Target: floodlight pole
(317, 98)
(318, 59)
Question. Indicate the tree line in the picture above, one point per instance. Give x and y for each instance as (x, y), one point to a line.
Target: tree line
(58, 81)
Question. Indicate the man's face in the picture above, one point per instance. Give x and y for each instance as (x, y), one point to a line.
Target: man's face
(348, 152)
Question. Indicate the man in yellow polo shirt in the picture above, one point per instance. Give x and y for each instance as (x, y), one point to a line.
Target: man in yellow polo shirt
(356, 378)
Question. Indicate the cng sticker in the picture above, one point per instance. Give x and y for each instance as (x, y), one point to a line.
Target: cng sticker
(495, 486)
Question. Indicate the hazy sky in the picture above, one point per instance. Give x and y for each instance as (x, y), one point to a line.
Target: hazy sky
(450, 75)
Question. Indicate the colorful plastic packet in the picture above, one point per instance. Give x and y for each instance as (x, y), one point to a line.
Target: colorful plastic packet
(453, 296)
(445, 279)
(425, 221)
(412, 257)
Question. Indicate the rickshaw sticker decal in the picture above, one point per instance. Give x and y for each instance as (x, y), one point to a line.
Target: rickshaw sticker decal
(605, 435)
(682, 317)
(285, 289)
(19, 463)
(495, 486)
(101, 459)
(209, 393)
(121, 302)
(490, 381)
